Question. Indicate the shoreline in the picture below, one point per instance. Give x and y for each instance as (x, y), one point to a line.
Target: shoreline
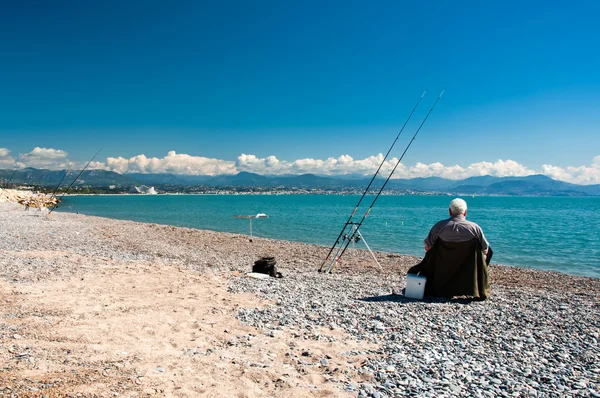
(572, 270)
(99, 306)
(364, 253)
(378, 253)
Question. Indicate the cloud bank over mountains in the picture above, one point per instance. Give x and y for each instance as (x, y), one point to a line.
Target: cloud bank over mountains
(176, 163)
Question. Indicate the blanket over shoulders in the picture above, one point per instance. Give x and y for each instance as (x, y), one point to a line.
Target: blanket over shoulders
(455, 269)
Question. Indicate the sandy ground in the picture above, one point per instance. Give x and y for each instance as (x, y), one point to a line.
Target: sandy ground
(143, 328)
(101, 327)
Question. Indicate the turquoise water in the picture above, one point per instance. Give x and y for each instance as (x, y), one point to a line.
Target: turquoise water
(551, 233)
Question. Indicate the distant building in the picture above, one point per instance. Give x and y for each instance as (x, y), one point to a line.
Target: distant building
(146, 190)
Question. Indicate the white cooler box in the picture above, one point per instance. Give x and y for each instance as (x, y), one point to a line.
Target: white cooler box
(415, 286)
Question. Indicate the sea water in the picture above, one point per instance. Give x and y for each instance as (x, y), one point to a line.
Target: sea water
(550, 233)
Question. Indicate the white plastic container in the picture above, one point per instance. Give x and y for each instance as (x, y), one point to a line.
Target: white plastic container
(415, 286)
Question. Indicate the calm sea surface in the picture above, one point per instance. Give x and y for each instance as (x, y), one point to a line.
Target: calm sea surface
(551, 233)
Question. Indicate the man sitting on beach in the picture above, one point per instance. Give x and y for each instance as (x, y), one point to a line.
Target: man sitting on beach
(456, 228)
(456, 258)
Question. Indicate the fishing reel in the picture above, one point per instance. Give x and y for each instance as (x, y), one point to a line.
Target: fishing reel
(354, 239)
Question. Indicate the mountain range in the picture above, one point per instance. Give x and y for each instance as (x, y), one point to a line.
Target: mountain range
(538, 185)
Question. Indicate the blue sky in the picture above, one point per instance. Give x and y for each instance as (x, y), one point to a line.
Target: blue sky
(311, 86)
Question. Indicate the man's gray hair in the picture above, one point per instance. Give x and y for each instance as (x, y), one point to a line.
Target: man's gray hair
(458, 206)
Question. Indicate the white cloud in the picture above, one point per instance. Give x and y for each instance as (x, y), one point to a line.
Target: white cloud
(500, 168)
(44, 158)
(96, 165)
(343, 165)
(6, 160)
(172, 163)
(578, 175)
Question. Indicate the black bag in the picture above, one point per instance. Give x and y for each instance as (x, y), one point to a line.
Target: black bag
(266, 265)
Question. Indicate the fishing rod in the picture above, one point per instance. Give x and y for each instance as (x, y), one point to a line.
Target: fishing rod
(370, 182)
(11, 176)
(39, 179)
(355, 228)
(34, 193)
(60, 182)
(18, 167)
(80, 173)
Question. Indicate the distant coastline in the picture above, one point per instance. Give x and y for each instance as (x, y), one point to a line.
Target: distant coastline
(101, 181)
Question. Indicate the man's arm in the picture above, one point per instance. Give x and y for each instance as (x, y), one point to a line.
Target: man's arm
(484, 243)
(432, 236)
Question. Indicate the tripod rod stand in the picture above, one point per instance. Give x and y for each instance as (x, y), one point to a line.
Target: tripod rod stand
(354, 232)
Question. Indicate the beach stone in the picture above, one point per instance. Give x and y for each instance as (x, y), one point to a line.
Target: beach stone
(350, 387)
(368, 388)
(455, 389)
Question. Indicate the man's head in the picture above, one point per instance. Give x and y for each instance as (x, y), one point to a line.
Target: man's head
(458, 206)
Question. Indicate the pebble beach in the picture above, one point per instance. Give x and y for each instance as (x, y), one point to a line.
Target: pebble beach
(99, 307)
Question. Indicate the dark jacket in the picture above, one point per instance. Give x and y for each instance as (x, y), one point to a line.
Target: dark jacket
(455, 269)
